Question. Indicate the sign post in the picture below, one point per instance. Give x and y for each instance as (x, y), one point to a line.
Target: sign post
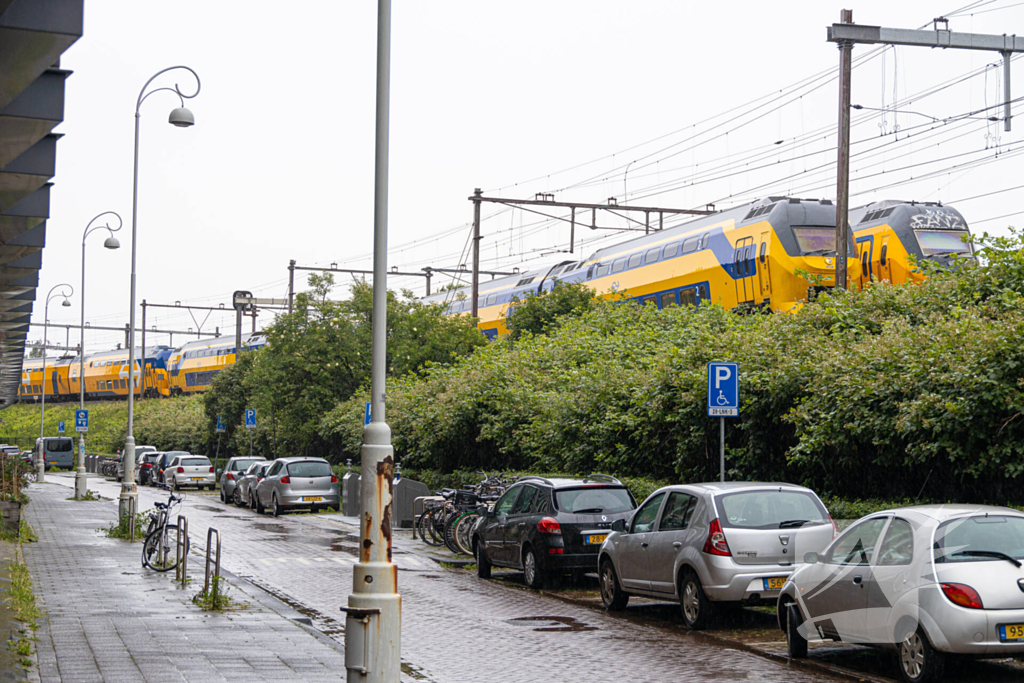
(250, 424)
(220, 430)
(81, 421)
(723, 401)
(368, 415)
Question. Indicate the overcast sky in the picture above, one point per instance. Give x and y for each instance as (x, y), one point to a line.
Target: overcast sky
(501, 96)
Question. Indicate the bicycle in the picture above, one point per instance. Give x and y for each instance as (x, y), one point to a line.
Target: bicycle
(158, 537)
(452, 521)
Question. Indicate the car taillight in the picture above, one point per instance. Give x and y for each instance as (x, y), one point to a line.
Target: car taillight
(334, 479)
(230, 477)
(549, 525)
(835, 527)
(963, 595)
(286, 479)
(146, 464)
(211, 469)
(181, 470)
(716, 543)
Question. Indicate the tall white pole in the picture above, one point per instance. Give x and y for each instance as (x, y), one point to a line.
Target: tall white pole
(40, 460)
(374, 612)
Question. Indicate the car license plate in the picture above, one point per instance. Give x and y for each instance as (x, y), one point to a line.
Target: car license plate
(311, 499)
(774, 584)
(1011, 632)
(596, 539)
(197, 478)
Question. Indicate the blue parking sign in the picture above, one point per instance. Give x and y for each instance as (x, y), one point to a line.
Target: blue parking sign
(60, 427)
(368, 415)
(81, 420)
(220, 425)
(723, 390)
(250, 418)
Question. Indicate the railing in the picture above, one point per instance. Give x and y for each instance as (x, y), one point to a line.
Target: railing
(181, 553)
(209, 546)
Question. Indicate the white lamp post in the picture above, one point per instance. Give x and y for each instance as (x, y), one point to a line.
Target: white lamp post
(40, 461)
(81, 481)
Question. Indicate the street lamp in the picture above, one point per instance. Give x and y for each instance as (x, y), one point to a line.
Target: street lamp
(182, 118)
(40, 461)
(81, 482)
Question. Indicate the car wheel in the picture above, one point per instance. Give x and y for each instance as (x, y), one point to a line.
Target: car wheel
(612, 595)
(223, 498)
(275, 508)
(796, 644)
(483, 563)
(236, 498)
(919, 663)
(694, 604)
(176, 486)
(532, 573)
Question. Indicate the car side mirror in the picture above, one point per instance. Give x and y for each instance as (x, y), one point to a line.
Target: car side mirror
(810, 558)
(482, 510)
(219, 472)
(619, 525)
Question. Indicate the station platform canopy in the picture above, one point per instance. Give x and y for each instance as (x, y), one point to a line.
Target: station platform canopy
(33, 36)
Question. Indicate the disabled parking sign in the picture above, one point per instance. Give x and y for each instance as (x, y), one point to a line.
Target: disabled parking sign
(723, 390)
(250, 418)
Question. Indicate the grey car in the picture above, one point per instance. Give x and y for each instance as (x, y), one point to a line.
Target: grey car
(190, 470)
(245, 488)
(298, 482)
(929, 581)
(701, 544)
(139, 452)
(232, 472)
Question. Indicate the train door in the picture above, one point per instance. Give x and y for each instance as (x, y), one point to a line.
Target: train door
(884, 266)
(866, 274)
(746, 270)
(764, 275)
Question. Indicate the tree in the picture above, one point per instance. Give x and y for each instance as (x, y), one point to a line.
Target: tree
(540, 314)
(37, 350)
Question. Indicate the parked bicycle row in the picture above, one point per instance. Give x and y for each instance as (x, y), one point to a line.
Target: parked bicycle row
(448, 518)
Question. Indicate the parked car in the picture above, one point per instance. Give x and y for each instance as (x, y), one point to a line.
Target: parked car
(139, 452)
(928, 581)
(56, 451)
(549, 526)
(10, 450)
(147, 468)
(701, 544)
(298, 482)
(245, 488)
(163, 459)
(190, 470)
(232, 472)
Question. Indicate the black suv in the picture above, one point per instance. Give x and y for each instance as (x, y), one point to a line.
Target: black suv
(549, 526)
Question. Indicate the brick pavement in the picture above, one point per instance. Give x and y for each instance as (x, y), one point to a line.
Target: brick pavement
(457, 628)
(107, 619)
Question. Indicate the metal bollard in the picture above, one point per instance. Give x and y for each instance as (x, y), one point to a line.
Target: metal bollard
(131, 518)
(209, 544)
(181, 570)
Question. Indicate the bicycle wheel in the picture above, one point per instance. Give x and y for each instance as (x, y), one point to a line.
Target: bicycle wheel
(435, 526)
(449, 532)
(463, 532)
(160, 541)
(423, 527)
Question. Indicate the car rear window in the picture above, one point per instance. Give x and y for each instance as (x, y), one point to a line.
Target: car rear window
(970, 539)
(243, 464)
(772, 509)
(59, 445)
(595, 499)
(309, 469)
(195, 462)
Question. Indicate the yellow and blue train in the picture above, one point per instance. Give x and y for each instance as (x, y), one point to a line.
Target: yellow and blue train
(772, 254)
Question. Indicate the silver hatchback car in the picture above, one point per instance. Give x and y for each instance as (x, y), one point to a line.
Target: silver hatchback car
(707, 543)
(298, 482)
(925, 580)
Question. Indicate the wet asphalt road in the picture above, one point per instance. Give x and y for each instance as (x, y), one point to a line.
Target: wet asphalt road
(455, 626)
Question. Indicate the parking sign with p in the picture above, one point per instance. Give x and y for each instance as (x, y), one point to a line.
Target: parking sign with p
(723, 390)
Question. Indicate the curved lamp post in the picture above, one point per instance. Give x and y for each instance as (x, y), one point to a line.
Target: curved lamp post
(182, 118)
(40, 460)
(81, 482)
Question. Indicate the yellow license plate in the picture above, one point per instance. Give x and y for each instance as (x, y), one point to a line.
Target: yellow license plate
(1011, 632)
(596, 539)
(197, 478)
(774, 584)
(311, 499)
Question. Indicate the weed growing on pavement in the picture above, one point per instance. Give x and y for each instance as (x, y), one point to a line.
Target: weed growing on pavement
(89, 495)
(216, 599)
(24, 533)
(23, 600)
(122, 529)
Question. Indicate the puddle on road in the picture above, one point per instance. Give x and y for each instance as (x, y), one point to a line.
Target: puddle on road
(554, 624)
(208, 508)
(273, 528)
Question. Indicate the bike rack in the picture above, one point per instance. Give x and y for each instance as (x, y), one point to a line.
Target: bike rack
(181, 570)
(419, 506)
(209, 545)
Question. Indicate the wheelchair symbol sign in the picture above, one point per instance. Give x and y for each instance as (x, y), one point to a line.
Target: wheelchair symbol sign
(723, 390)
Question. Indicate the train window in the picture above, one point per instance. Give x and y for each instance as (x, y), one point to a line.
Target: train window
(671, 250)
(124, 384)
(688, 297)
(764, 248)
(602, 271)
(668, 299)
(491, 298)
(864, 263)
(618, 265)
(651, 256)
(650, 300)
(634, 260)
(749, 258)
(704, 240)
(736, 262)
(691, 245)
(881, 256)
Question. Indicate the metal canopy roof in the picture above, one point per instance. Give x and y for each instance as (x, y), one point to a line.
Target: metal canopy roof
(33, 36)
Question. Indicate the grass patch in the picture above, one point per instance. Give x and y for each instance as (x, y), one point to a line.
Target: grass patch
(123, 528)
(89, 495)
(216, 599)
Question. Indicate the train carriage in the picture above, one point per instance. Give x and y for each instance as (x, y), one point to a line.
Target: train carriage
(192, 367)
(772, 254)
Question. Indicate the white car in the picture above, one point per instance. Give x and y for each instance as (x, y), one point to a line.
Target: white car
(190, 470)
(927, 581)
